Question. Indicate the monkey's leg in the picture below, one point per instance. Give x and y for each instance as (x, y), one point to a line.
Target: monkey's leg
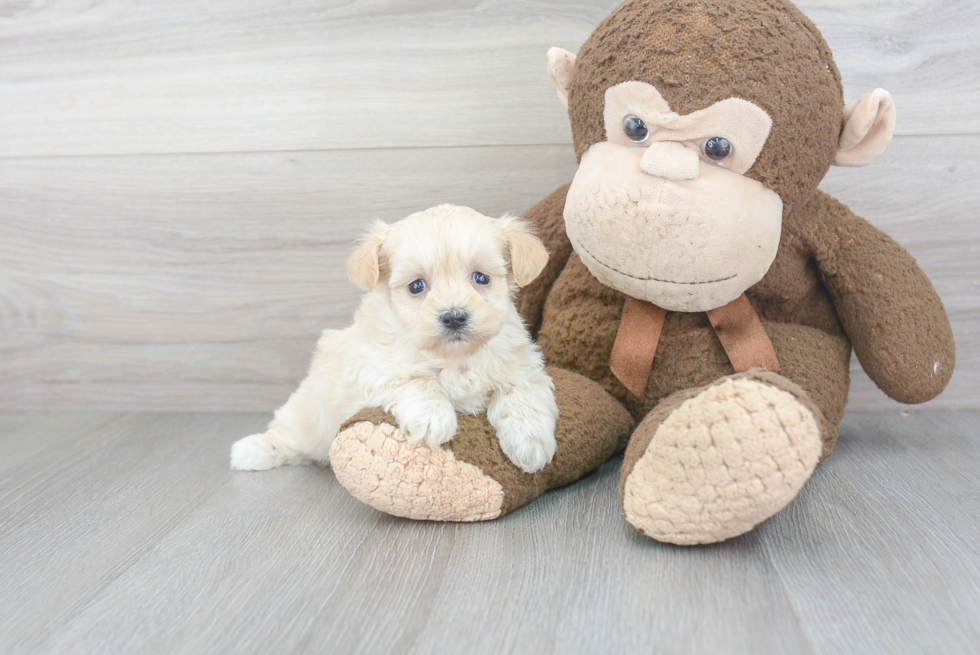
(711, 463)
(470, 478)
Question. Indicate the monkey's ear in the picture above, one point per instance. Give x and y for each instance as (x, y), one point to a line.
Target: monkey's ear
(364, 266)
(869, 124)
(561, 65)
(528, 255)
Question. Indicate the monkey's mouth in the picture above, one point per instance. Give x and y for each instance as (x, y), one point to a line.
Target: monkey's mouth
(655, 279)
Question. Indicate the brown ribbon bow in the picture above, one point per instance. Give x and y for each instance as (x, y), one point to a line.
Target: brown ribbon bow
(737, 325)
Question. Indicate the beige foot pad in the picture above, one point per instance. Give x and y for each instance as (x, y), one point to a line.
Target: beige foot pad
(722, 462)
(379, 467)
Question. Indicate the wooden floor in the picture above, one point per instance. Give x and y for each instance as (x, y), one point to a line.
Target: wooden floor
(127, 533)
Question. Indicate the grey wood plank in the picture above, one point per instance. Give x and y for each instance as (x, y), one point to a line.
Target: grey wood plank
(138, 539)
(121, 77)
(76, 515)
(881, 553)
(913, 49)
(26, 435)
(570, 576)
(283, 562)
(263, 568)
(201, 282)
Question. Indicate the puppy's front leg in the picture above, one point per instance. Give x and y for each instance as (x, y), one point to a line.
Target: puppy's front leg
(301, 431)
(524, 417)
(424, 412)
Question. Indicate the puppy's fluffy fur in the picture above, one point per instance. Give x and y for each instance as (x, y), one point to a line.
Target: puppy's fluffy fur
(413, 355)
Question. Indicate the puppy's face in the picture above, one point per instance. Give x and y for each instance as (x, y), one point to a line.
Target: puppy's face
(450, 273)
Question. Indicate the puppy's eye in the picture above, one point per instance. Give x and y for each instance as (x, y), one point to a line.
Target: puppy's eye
(718, 148)
(481, 278)
(635, 129)
(417, 287)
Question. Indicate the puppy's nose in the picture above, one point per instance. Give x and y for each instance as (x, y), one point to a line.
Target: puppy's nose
(454, 319)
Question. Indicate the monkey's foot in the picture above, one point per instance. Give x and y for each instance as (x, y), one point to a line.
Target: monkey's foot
(470, 478)
(712, 463)
(381, 468)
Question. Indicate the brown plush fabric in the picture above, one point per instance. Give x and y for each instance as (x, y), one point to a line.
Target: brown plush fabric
(835, 279)
(698, 52)
(591, 427)
(549, 225)
(581, 318)
(887, 305)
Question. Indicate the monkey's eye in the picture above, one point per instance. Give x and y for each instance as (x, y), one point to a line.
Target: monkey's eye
(481, 278)
(635, 129)
(416, 287)
(718, 148)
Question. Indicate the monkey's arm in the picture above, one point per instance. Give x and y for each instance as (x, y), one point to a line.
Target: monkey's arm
(889, 308)
(549, 224)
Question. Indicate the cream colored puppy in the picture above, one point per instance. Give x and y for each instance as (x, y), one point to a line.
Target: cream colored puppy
(437, 334)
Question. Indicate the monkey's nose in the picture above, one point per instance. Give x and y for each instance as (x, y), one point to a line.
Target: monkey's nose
(671, 160)
(454, 319)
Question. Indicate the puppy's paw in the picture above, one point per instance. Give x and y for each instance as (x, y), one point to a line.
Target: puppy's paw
(257, 452)
(430, 420)
(530, 445)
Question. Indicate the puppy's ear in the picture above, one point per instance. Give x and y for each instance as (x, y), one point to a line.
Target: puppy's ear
(364, 266)
(528, 255)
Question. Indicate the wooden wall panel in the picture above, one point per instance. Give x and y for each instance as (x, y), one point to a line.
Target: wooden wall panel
(120, 77)
(201, 281)
(179, 182)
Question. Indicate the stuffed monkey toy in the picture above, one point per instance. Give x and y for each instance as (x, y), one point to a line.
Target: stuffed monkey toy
(703, 296)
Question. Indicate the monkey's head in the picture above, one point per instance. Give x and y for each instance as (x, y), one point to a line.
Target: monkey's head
(698, 124)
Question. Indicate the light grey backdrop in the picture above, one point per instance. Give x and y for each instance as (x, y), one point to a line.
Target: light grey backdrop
(180, 181)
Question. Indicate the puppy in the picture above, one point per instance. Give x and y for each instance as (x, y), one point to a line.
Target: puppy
(437, 334)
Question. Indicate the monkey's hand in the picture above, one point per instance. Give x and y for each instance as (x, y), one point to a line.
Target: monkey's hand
(889, 308)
